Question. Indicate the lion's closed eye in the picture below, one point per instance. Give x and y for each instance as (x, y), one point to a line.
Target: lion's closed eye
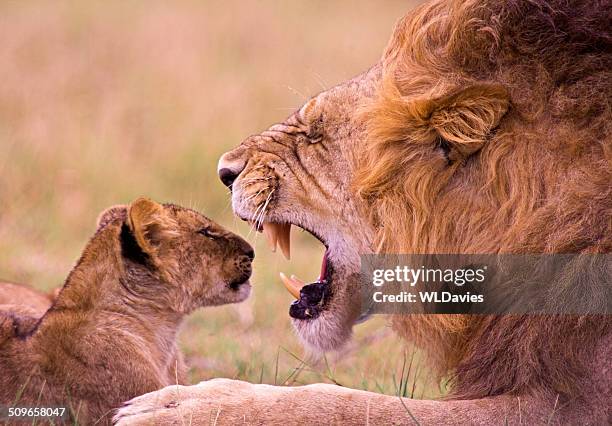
(316, 130)
(310, 118)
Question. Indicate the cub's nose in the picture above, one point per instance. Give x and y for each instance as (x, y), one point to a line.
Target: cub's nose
(229, 168)
(245, 248)
(250, 254)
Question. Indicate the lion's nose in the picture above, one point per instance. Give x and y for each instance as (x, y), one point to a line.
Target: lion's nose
(229, 169)
(227, 176)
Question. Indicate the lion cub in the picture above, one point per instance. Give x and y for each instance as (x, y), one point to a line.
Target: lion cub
(111, 333)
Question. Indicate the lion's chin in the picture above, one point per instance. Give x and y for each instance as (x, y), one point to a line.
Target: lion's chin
(333, 325)
(326, 333)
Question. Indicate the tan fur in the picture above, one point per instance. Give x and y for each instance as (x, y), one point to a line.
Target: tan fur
(532, 178)
(485, 128)
(111, 333)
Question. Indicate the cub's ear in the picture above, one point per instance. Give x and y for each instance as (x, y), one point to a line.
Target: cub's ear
(150, 224)
(464, 118)
(111, 214)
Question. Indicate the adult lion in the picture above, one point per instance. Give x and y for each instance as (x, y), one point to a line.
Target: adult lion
(483, 129)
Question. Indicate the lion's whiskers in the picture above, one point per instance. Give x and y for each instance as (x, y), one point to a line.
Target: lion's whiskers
(265, 206)
(250, 197)
(258, 216)
(251, 228)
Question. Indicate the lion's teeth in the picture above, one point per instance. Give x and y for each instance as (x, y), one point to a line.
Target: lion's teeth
(297, 280)
(292, 285)
(278, 234)
(284, 239)
(270, 231)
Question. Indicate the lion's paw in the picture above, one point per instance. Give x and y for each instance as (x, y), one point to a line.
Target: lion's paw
(198, 404)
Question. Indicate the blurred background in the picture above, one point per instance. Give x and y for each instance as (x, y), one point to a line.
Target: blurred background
(102, 102)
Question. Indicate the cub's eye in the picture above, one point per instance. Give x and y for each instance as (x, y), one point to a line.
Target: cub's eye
(208, 233)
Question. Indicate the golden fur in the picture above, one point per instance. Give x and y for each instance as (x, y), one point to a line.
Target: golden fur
(485, 128)
(111, 333)
(540, 182)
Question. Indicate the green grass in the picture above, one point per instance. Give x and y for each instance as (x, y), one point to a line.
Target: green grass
(104, 102)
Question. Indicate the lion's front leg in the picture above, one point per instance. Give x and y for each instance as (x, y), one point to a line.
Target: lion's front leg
(229, 402)
(224, 401)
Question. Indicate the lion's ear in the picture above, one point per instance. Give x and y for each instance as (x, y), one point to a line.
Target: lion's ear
(150, 224)
(464, 119)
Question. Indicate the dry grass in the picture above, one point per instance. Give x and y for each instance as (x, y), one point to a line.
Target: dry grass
(104, 102)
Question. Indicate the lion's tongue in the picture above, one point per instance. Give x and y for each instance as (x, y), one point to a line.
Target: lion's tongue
(323, 272)
(293, 284)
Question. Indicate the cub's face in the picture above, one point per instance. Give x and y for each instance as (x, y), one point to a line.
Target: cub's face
(181, 258)
(210, 264)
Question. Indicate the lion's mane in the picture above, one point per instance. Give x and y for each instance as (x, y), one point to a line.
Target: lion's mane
(539, 183)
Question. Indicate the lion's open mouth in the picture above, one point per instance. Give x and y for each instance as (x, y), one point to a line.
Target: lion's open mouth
(311, 298)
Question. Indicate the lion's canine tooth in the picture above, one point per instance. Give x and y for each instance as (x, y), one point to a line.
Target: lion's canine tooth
(297, 280)
(284, 239)
(292, 285)
(278, 234)
(271, 233)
